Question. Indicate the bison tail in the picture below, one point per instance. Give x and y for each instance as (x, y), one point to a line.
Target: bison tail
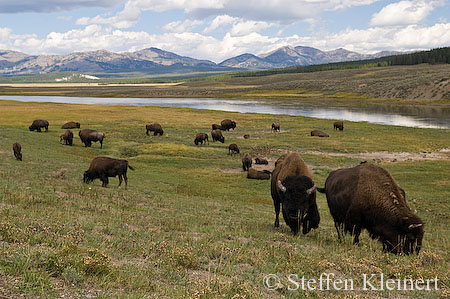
(321, 190)
(130, 167)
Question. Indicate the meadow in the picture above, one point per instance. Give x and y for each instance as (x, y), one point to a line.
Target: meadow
(190, 223)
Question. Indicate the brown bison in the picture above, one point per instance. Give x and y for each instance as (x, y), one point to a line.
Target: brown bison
(261, 161)
(155, 128)
(67, 137)
(338, 125)
(200, 138)
(216, 127)
(104, 167)
(319, 133)
(276, 127)
(233, 149)
(257, 174)
(88, 136)
(228, 124)
(17, 149)
(246, 136)
(246, 161)
(217, 135)
(71, 125)
(293, 188)
(38, 124)
(367, 196)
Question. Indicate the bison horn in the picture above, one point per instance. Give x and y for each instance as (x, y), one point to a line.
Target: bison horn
(412, 226)
(311, 190)
(281, 187)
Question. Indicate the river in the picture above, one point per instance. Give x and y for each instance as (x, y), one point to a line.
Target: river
(420, 116)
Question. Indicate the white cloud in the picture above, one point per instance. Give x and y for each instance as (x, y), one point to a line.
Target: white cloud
(404, 13)
(220, 21)
(8, 6)
(247, 27)
(182, 26)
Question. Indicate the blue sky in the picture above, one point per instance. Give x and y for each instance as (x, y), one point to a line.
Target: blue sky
(220, 29)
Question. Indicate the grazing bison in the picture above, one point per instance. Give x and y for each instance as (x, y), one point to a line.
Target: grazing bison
(200, 138)
(276, 127)
(257, 174)
(233, 149)
(246, 161)
(228, 124)
(216, 127)
(293, 188)
(88, 136)
(262, 161)
(367, 196)
(338, 125)
(155, 128)
(104, 167)
(71, 125)
(38, 124)
(67, 137)
(319, 133)
(217, 135)
(17, 151)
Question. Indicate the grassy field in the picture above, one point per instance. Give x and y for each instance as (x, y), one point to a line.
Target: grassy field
(190, 223)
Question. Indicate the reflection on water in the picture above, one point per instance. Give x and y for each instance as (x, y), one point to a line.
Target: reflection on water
(398, 115)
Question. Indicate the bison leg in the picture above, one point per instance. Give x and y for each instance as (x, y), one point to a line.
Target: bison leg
(146, 133)
(338, 230)
(101, 143)
(276, 203)
(38, 129)
(120, 180)
(105, 180)
(126, 180)
(46, 129)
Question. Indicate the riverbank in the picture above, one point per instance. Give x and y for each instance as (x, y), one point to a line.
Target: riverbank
(185, 227)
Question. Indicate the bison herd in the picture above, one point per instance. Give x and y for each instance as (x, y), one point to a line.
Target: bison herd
(362, 197)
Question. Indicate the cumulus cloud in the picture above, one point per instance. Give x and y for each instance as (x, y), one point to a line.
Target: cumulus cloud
(404, 13)
(8, 6)
(182, 26)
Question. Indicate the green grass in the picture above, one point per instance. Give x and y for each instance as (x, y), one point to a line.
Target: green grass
(184, 227)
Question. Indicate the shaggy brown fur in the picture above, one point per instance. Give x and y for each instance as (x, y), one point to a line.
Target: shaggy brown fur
(104, 167)
(246, 161)
(228, 124)
(217, 135)
(216, 127)
(258, 175)
(200, 138)
(67, 137)
(319, 133)
(276, 127)
(367, 196)
(38, 124)
(155, 128)
(338, 125)
(71, 125)
(260, 161)
(233, 149)
(17, 151)
(88, 136)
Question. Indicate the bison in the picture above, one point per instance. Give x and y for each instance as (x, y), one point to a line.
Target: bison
(246, 161)
(104, 167)
(228, 124)
(217, 135)
(200, 138)
(233, 149)
(155, 128)
(257, 174)
(88, 136)
(216, 127)
(260, 161)
(276, 127)
(338, 125)
(246, 136)
(67, 137)
(319, 133)
(293, 188)
(17, 151)
(367, 196)
(38, 124)
(71, 125)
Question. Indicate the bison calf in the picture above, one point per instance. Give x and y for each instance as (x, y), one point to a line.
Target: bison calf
(200, 138)
(38, 124)
(319, 133)
(246, 161)
(367, 196)
(104, 167)
(233, 149)
(155, 128)
(88, 136)
(67, 137)
(17, 151)
(71, 125)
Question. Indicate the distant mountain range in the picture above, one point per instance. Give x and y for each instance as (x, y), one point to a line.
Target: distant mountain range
(156, 61)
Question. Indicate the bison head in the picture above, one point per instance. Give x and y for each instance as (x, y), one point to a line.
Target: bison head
(31, 128)
(87, 178)
(408, 238)
(233, 125)
(298, 197)
(77, 125)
